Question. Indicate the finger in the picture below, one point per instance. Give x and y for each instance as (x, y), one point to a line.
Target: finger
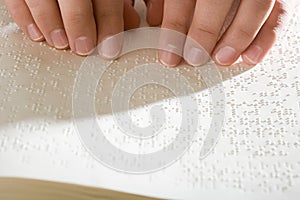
(176, 21)
(79, 25)
(22, 16)
(155, 10)
(266, 37)
(205, 30)
(250, 17)
(47, 17)
(131, 17)
(109, 12)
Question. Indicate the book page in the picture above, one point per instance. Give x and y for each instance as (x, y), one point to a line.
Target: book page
(256, 156)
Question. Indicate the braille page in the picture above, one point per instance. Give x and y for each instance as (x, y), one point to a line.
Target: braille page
(256, 157)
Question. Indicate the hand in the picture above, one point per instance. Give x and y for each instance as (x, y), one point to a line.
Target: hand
(78, 24)
(250, 35)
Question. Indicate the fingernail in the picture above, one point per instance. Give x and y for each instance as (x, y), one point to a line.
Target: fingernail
(226, 55)
(34, 32)
(59, 39)
(84, 46)
(110, 48)
(171, 45)
(253, 55)
(169, 59)
(196, 57)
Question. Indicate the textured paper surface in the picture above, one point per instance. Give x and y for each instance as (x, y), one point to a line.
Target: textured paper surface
(257, 156)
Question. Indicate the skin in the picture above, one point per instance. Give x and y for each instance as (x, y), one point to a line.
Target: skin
(71, 23)
(251, 34)
(81, 25)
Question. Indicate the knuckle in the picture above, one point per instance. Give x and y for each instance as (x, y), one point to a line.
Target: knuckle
(41, 16)
(177, 25)
(208, 31)
(35, 9)
(243, 32)
(109, 16)
(75, 17)
(110, 12)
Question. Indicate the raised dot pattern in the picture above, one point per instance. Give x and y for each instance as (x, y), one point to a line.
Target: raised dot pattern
(258, 152)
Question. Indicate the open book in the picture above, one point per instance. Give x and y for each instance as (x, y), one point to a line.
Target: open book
(17, 188)
(42, 156)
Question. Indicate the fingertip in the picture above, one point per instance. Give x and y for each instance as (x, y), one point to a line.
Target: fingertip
(194, 54)
(253, 55)
(84, 46)
(226, 56)
(110, 48)
(34, 33)
(169, 59)
(59, 39)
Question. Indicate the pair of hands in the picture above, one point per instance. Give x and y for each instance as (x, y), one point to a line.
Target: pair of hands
(82, 24)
